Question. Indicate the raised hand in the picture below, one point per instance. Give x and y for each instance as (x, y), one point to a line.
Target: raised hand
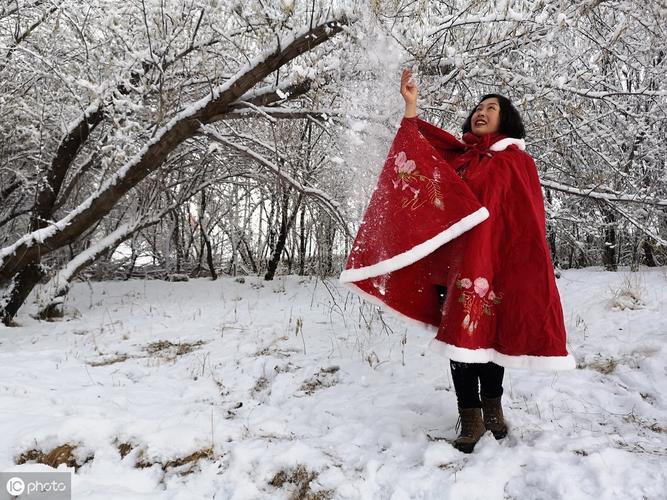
(409, 93)
(408, 88)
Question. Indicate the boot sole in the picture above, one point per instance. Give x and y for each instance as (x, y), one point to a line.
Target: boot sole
(499, 435)
(465, 448)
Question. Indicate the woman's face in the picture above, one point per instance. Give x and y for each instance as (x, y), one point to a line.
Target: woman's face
(486, 118)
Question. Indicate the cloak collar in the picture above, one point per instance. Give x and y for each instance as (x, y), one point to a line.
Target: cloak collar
(490, 142)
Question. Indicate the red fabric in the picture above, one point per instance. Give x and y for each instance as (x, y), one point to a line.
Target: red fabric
(476, 148)
(501, 292)
(415, 183)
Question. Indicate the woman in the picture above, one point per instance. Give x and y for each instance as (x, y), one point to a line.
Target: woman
(454, 238)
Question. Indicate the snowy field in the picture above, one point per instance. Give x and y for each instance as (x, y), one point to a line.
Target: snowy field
(291, 389)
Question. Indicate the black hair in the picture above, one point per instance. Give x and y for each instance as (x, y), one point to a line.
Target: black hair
(511, 124)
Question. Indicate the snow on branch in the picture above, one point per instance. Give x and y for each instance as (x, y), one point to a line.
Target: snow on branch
(324, 198)
(288, 113)
(264, 96)
(58, 286)
(181, 127)
(638, 225)
(458, 19)
(591, 193)
(20, 37)
(514, 79)
(258, 110)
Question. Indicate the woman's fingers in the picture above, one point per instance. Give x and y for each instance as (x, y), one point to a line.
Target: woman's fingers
(408, 89)
(408, 83)
(406, 79)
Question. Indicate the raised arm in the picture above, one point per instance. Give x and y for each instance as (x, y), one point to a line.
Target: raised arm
(444, 143)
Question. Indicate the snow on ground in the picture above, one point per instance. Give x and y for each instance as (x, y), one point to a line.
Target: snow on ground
(291, 389)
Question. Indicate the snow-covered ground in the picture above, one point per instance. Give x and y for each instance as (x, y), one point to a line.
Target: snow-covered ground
(291, 389)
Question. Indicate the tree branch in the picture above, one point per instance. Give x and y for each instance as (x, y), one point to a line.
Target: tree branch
(590, 193)
(178, 129)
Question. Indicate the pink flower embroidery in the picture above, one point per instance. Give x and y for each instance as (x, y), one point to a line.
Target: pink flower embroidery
(403, 165)
(476, 302)
(405, 169)
(407, 174)
(481, 286)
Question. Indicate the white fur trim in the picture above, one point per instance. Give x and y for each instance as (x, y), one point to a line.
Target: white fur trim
(485, 355)
(375, 301)
(503, 144)
(417, 252)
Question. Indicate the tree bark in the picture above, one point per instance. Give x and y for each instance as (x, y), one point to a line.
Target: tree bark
(609, 249)
(649, 258)
(209, 257)
(302, 243)
(21, 285)
(285, 225)
(551, 234)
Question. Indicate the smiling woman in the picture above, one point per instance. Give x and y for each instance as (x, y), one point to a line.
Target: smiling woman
(486, 117)
(454, 238)
(495, 113)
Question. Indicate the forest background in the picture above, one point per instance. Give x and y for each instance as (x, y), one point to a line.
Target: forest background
(165, 139)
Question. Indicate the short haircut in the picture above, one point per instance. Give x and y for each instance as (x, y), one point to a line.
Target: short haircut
(511, 124)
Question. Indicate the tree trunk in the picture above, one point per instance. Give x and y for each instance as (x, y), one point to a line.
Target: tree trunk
(302, 243)
(18, 291)
(133, 261)
(209, 256)
(331, 236)
(551, 234)
(285, 224)
(248, 253)
(609, 250)
(178, 241)
(649, 259)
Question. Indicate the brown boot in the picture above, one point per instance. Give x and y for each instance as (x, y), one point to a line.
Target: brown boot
(472, 429)
(493, 417)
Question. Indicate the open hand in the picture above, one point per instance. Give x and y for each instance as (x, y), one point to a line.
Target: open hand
(408, 87)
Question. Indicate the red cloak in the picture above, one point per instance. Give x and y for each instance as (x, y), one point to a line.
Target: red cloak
(467, 216)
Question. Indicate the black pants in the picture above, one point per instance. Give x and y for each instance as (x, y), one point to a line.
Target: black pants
(471, 378)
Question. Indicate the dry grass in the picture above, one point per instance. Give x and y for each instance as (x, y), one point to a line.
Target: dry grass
(454, 466)
(301, 478)
(53, 312)
(124, 449)
(170, 351)
(178, 277)
(57, 312)
(118, 358)
(629, 295)
(63, 454)
(607, 364)
(183, 465)
(190, 460)
(261, 384)
(644, 423)
(162, 349)
(601, 365)
(326, 377)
